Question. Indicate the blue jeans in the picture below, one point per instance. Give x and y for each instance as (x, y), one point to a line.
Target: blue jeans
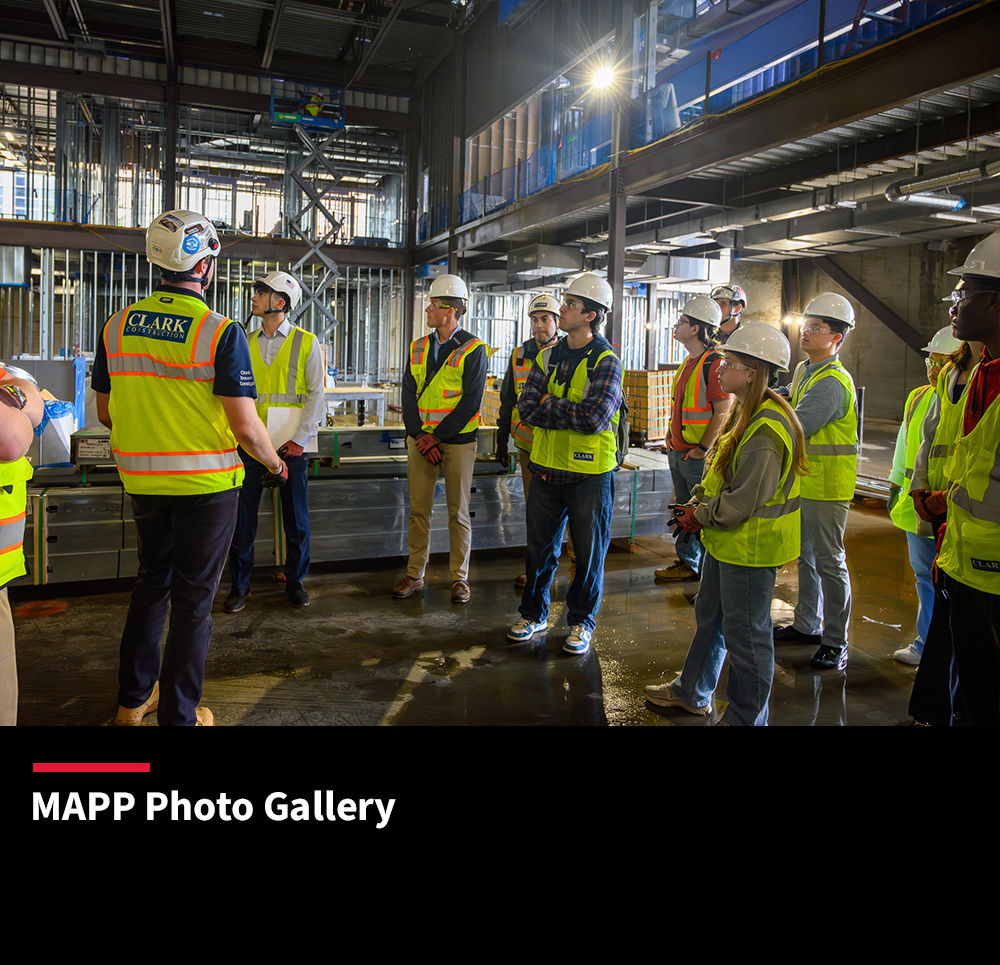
(686, 474)
(587, 507)
(733, 613)
(824, 604)
(294, 517)
(922, 552)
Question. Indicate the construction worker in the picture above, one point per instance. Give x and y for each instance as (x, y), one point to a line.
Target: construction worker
(543, 310)
(174, 385)
(698, 410)
(825, 402)
(288, 371)
(732, 302)
(962, 649)
(920, 544)
(442, 390)
(572, 399)
(22, 409)
(747, 515)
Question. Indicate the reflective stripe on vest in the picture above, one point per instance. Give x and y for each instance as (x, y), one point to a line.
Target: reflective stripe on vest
(696, 410)
(949, 426)
(520, 366)
(567, 449)
(437, 399)
(970, 547)
(13, 511)
(772, 536)
(918, 404)
(832, 449)
(169, 434)
(278, 383)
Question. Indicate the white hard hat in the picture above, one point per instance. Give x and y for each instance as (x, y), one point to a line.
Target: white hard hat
(281, 283)
(593, 286)
(760, 341)
(733, 292)
(983, 260)
(178, 240)
(449, 286)
(544, 303)
(831, 307)
(943, 342)
(703, 309)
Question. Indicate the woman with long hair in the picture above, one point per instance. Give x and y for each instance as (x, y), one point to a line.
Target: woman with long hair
(747, 516)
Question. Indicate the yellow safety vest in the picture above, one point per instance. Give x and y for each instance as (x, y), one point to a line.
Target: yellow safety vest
(14, 477)
(771, 537)
(567, 449)
(918, 404)
(948, 429)
(170, 434)
(439, 397)
(520, 366)
(283, 383)
(970, 548)
(696, 410)
(833, 449)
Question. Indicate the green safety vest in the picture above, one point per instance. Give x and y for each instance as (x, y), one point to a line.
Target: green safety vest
(283, 383)
(918, 404)
(14, 477)
(584, 452)
(833, 449)
(772, 536)
(169, 433)
(437, 399)
(948, 429)
(970, 547)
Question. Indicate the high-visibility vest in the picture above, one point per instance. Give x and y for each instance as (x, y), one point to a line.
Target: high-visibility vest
(696, 410)
(567, 449)
(772, 536)
(833, 449)
(169, 432)
(520, 367)
(970, 547)
(439, 397)
(14, 477)
(283, 383)
(918, 404)
(948, 429)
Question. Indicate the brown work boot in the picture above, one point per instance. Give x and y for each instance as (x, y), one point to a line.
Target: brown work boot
(407, 586)
(460, 592)
(132, 716)
(521, 582)
(204, 717)
(676, 571)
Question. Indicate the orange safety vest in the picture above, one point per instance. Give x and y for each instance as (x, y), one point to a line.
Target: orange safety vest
(520, 366)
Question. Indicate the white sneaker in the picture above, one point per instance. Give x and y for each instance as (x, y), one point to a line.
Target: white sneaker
(663, 696)
(578, 640)
(908, 655)
(524, 629)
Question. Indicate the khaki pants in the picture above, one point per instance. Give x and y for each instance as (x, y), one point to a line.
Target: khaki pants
(8, 667)
(456, 465)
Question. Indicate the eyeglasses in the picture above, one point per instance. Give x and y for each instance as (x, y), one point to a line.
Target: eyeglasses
(816, 330)
(572, 303)
(933, 363)
(730, 364)
(957, 297)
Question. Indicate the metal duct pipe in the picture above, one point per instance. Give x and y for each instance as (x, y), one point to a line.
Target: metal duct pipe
(947, 202)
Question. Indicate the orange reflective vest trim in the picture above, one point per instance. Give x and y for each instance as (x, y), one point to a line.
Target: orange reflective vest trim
(520, 367)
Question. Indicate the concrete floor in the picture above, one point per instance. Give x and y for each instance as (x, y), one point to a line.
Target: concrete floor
(357, 657)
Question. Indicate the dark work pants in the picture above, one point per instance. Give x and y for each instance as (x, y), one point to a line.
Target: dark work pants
(294, 516)
(183, 541)
(959, 670)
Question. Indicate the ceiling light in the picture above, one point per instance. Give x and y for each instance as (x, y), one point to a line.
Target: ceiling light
(950, 216)
(603, 77)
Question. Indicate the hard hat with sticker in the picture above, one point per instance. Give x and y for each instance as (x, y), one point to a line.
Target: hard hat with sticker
(191, 244)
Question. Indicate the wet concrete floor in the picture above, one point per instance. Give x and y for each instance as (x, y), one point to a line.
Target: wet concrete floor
(356, 657)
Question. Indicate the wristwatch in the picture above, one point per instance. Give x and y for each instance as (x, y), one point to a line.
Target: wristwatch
(13, 396)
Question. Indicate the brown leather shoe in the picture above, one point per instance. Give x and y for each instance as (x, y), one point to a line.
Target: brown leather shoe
(460, 592)
(407, 586)
(521, 582)
(132, 716)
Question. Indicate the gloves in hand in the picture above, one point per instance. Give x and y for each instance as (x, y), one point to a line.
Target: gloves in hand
(930, 505)
(503, 454)
(291, 450)
(684, 518)
(273, 480)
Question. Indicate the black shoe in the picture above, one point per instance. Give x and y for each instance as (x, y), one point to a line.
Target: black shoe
(829, 658)
(296, 594)
(236, 600)
(788, 634)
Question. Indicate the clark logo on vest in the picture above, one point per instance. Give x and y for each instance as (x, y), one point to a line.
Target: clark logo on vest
(173, 328)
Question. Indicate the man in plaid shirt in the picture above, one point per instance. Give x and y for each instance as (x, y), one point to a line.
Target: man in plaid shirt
(571, 398)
